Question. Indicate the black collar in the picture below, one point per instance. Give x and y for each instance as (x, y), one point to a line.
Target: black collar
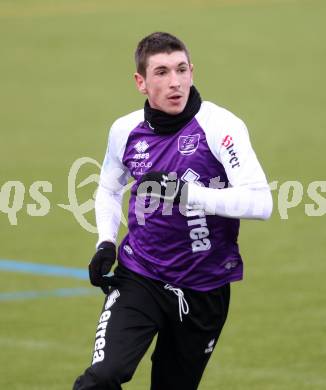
(162, 123)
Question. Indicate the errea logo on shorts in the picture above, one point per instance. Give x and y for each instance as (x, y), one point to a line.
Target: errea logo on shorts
(101, 329)
(210, 346)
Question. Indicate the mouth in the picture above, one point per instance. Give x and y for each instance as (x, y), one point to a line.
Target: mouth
(176, 98)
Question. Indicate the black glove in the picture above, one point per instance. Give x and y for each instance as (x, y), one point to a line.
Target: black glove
(100, 266)
(169, 188)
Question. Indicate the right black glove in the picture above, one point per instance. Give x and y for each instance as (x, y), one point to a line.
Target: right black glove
(101, 265)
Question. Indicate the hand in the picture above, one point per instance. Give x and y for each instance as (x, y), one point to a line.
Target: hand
(165, 186)
(101, 265)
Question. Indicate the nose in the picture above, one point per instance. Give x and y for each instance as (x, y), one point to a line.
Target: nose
(174, 80)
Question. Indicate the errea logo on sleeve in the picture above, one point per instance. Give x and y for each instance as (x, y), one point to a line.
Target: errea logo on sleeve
(229, 146)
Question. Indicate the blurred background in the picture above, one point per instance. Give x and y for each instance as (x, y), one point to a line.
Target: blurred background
(66, 73)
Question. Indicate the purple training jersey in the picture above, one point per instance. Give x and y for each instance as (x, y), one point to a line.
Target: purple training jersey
(194, 251)
(185, 248)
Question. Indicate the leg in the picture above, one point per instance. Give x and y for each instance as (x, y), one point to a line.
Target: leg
(127, 325)
(182, 352)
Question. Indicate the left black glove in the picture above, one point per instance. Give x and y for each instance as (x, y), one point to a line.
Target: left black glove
(101, 265)
(169, 188)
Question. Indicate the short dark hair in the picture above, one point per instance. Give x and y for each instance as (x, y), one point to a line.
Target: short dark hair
(155, 43)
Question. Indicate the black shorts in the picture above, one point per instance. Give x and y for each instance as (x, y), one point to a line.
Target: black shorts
(188, 324)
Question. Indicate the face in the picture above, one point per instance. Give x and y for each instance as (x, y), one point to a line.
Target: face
(167, 82)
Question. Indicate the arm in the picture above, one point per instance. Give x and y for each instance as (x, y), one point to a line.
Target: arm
(108, 202)
(108, 205)
(237, 202)
(249, 195)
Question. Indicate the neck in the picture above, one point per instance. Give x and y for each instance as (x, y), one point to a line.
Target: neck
(163, 123)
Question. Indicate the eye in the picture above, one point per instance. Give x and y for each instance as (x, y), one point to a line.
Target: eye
(183, 70)
(161, 73)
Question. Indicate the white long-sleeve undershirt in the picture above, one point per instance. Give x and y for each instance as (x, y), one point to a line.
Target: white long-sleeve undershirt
(235, 202)
(108, 209)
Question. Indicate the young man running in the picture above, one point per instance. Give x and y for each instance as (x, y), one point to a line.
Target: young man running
(196, 175)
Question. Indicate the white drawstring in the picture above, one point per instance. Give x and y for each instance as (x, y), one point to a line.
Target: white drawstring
(183, 304)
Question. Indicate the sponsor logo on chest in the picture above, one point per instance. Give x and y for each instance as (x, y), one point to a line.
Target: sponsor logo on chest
(140, 159)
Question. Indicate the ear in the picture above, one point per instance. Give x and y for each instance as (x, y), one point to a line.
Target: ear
(191, 71)
(140, 83)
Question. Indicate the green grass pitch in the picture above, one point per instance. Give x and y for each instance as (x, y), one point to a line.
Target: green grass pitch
(65, 74)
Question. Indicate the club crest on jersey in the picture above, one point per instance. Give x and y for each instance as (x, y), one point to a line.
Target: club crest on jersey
(188, 144)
